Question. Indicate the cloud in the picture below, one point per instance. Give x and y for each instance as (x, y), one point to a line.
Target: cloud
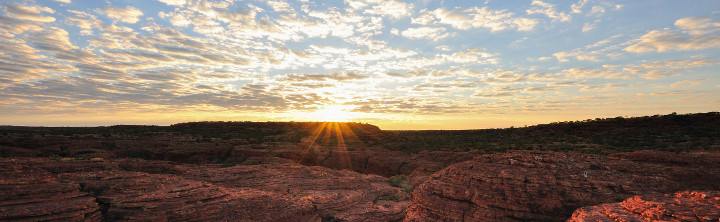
(174, 2)
(21, 62)
(280, 6)
(588, 27)
(84, 21)
(471, 55)
(433, 33)
(322, 77)
(567, 83)
(577, 7)
(678, 64)
(547, 9)
(177, 19)
(585, 73)
(390, 8)
(231, 56)
(661, 41)
(603, 87)
(493, 95)
(464, 19)
(63, 1)
(699, 36)
(579, 55)
(677, 93)
(18, 26)
(128, 14)
(29, 13)
(592, 52)
(687, 83)
(54, 40)
(540, 89)
(698, 25)
(665, 68)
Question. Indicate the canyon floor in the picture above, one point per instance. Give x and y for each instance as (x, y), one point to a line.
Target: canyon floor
(244, 171)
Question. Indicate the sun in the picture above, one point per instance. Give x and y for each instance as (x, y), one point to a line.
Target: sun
(332, 113)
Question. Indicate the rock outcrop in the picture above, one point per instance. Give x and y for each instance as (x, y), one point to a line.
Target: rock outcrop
(513, 186)
(534, 185)
(345, 194)
(681, 206)
(31, 194)
(136, 196)
(146, 190)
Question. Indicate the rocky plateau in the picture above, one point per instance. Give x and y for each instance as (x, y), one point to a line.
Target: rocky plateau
(314, 176)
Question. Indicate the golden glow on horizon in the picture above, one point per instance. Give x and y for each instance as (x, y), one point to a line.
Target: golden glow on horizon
(332, 113)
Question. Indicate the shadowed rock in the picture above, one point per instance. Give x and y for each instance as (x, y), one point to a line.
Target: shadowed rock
(32, 194)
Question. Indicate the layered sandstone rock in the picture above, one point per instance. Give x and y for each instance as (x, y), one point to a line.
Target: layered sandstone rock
(345, 194)
(681, 206)
(31, 194)
(533, 185)
(131, 189)
(137, 196)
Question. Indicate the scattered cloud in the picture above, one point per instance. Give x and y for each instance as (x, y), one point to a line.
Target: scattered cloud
(588, 27)
(493, 95)
(698, 25)
(695, 34)
(677, 93)
(595, 52)
(464, 19)
(687, 83)
(174, 2)
(31, 13)
(603, 87)
(391, 8)
(323, 77)
(547, 9)
(290, 57)
(665, 68)
(434, 33)
(128, 14)
(280, 6)
(181, 19)
(577, 7)
(471, 55)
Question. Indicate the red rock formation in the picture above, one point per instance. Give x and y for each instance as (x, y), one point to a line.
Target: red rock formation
(345, 194)
(528, 185)
(32, 194)
(131, 189)
(681, 206)
(139, 196)
(421, 165)
(700, 171)
(707, 160)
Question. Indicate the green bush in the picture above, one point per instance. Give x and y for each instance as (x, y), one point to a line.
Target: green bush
(250, 162)
(401, 181)
(329, 217)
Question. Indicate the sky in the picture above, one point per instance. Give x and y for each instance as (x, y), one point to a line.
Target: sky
(394, 64)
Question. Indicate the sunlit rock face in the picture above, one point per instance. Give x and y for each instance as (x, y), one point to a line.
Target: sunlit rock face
(533, 185)
(145, 190)
(681, 206)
